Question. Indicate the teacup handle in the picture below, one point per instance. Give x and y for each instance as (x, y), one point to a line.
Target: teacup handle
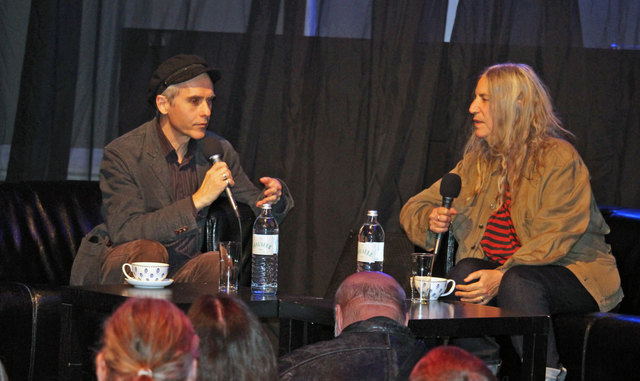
(453, 287)
(124, 266)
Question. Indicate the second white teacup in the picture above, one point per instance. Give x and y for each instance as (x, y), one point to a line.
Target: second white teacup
(437, 286)
(146, 271)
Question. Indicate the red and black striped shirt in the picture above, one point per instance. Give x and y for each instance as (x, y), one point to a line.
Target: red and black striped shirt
(500, 240)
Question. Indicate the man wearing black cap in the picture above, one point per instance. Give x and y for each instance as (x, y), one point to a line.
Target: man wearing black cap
(157, 184)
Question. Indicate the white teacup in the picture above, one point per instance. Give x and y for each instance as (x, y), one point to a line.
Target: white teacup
(436, 286)
(146, 271)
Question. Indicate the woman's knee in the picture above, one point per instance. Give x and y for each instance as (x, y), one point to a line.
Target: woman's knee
(465, 267)
(518, 284)
(519, 275)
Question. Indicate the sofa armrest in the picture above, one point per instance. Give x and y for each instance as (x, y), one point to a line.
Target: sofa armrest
(570, 331)
(30, 334)
(625, 246)
(611, 348)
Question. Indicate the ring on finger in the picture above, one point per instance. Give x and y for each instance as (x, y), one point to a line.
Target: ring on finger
(224, 176)
(482, 299)
(226, 181)
(438, 217)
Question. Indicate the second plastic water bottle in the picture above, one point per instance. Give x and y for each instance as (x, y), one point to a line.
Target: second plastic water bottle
(264, 258)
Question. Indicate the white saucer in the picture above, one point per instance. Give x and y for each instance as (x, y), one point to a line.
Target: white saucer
(147, 284)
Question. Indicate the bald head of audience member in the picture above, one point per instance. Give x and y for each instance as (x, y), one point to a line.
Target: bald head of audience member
(369, 294)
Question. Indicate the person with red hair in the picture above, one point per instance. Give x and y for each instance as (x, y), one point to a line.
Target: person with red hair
(450, 363)
(148, 339)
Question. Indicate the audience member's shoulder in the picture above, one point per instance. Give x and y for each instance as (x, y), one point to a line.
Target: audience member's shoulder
(304, 354)
(310, 358)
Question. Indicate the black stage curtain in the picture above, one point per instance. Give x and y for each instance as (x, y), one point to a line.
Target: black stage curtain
(358, 124)
(42, 132)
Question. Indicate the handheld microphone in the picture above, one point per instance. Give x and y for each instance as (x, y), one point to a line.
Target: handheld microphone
(449, 189)
(210, 148)
(216, 159)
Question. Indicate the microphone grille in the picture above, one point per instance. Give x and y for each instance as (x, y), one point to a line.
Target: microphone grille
(450, 185)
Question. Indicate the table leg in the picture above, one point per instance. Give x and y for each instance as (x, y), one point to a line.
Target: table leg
(70, 359)
(297, 333)
(534, 356)
(293, 335)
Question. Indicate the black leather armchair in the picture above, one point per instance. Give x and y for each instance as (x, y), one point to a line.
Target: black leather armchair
(600, 346)
(41, 226)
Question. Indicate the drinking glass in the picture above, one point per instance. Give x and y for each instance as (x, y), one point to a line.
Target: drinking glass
(420, 278)
(229, 266)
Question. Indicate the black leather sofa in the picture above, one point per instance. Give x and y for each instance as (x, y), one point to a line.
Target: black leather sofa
(41, 226)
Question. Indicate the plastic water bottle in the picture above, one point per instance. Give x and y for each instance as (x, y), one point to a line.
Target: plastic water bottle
(371, 244)
(264, 258)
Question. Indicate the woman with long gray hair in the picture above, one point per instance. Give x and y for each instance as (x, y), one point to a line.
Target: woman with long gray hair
(529, 232)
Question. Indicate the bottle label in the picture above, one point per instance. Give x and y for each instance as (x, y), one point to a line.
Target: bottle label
(370, 252)
(265, 244)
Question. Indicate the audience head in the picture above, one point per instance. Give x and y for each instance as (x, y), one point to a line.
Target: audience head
(450, 363)
(367, 294)
(233, 345)
(148, 339)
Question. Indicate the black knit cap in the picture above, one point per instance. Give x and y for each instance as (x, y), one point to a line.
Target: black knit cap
(178, 69)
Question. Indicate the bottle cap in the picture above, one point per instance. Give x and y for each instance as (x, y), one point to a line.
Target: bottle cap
(373, 213)
(266, 206)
